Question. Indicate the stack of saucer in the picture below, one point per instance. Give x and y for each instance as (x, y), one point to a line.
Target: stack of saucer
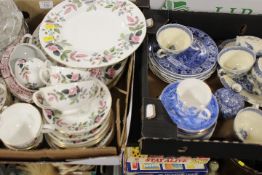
(78, 114)
(198, 60)
(192, 107)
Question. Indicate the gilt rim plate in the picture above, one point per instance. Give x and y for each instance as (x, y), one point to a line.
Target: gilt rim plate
(71, 35)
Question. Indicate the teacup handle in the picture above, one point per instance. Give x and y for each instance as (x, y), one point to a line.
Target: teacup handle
(27, 36)
(35, 98)
(42, 73)
(161, 53)
(48, 128)
(204, 114)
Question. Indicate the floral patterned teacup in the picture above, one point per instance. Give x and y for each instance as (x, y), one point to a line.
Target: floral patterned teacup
(68, 98)
(53, 75)
(26, 72)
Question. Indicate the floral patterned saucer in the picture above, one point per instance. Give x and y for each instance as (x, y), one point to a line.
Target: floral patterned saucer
(93, 115)
(107, 32)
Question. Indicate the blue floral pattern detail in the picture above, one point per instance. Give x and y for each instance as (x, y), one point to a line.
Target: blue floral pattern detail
(243, 134)
(190, 124)
(229, 102)
(204, 51)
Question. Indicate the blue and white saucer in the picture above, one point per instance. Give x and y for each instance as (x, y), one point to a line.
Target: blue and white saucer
(171, 79)
(229, 82)
(193, 62)
(188, 124)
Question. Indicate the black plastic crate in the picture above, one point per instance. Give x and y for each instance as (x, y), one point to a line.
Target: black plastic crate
(158, 136)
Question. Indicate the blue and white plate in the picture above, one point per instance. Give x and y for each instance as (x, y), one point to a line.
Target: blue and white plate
(171, 79)
(188, 124)
(188, 63)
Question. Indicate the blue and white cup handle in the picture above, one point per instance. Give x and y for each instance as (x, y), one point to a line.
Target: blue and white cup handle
(204, 114)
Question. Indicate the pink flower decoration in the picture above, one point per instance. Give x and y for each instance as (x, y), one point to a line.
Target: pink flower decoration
(95, 72)
(98, 118)
(77, 56)
(55, 76)
(73, 91)
(75, 77)
(48, 112)
(132, 20)
(102, 104)
(108, 57)
(111, 72)
(53, 48)
(135, 39)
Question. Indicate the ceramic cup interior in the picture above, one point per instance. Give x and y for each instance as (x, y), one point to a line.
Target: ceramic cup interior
(67, 98)
(24, 50)
(52, 75)
(20, 130)
(193, 97)
(236, 60)
(174, 38)
(247, 125)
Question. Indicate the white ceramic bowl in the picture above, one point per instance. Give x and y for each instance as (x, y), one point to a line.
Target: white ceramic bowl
(247, 125)
(236, 60)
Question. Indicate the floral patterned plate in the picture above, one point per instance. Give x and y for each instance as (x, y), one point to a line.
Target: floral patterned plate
(88, 119)
(107, 74)
(107, 32)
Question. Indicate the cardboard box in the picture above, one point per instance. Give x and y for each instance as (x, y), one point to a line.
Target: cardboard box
(136, 163)
(121, 94)
(250, 7)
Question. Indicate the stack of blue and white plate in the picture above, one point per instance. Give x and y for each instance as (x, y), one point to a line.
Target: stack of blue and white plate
(189, 127)
(198, 62)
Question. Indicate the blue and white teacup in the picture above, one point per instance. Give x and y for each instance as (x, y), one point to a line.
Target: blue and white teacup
(236, 61)
(193, 97)
(173, 39)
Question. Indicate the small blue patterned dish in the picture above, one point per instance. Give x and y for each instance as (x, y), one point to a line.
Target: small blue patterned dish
(229, 102)
(188, 124)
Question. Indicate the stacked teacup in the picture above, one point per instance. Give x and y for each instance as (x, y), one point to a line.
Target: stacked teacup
(79, 113)
(182, 52)
(192, 107)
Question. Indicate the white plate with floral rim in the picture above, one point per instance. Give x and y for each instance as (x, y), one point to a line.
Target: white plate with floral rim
(90, 118)
(107, 74)
(85, 135)
(92, 34)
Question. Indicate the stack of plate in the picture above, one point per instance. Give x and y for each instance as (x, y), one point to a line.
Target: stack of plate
(189, 127)
(200, 64)
(107, 33)
(86, 127)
